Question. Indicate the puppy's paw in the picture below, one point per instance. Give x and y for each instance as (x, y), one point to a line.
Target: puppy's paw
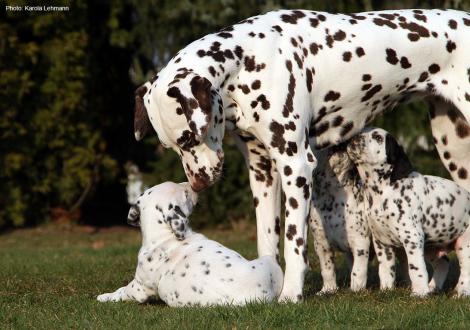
(105, 297)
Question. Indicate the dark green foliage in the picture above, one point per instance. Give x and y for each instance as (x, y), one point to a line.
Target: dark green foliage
(66, 89)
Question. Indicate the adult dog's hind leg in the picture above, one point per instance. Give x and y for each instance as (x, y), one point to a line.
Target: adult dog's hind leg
(451, 132)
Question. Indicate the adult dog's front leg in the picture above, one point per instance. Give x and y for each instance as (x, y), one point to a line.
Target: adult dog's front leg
(266, 189)
(297, 185)
(135, 290)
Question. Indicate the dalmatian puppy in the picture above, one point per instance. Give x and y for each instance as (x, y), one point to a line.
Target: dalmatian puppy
(423, 214)
(186, 268)
(337, 218)
(288, 80)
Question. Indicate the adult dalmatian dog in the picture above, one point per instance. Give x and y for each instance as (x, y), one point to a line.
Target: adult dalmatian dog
(286, 78)
(185, 268)
(421, 213)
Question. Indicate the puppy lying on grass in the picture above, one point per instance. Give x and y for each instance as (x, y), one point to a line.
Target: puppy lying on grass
(185, 268)
(425, 215)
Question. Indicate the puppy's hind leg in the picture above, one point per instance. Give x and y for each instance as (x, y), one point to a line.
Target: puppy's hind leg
(135, 290)
(462, 249)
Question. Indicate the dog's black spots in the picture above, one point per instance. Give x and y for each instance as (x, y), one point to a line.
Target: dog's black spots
(462, 173)
(338, 121)
(452, 167)
(391, 56)
(405, 64)
(277, 225)
(293, 17)
(423, 77)
(366, 77)
(287, 170)
(467, 97)
(309, 79)
(293, 42)
(225, 35)
(299, 241)
(434, 68)
(415, 28)
(451, 46)
(322, 128)
(340, 35)
(277, 140)
(453, 24)
(239, 52)
(446, 155)
(288, 107)
(347, 56)
(256, 201)
(300, 181)
(462, 129)
(251, 65)
(360, 52)
(277, 28)
(298, 60)
(256, 84)
(371, 92)
(332, 96)
(314, 22)
(314, 48)
(293, 203)
(383, 22)
(346, 128)
(291, 232)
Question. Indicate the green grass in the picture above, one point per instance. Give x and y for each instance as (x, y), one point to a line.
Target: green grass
(50, 278)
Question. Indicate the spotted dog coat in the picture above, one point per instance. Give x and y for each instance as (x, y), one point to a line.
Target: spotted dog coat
(337, 218)
(185, 268)
(406, 209)
(281, 80)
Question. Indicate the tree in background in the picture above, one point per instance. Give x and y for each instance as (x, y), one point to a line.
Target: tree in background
(66, 87)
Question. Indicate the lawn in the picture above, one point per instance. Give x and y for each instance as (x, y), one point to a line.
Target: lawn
(50, 279)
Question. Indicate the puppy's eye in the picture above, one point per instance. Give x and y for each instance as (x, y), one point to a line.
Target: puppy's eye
(378, 138)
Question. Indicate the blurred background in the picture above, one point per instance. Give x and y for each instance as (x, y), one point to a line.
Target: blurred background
(67, 79)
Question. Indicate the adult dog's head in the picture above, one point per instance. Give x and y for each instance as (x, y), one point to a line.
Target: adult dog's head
(186, 111)
(164, 207)
(375, 149)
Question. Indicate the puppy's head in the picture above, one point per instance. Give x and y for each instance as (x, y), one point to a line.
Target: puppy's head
(341, 164)
(164, 206)
(377, 149)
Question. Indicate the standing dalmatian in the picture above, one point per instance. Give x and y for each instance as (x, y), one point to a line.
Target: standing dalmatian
(287, 79)
(425, 215)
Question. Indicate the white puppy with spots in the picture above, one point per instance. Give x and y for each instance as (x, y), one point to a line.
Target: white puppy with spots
(186, 268)
(423, 214)
(337, 218)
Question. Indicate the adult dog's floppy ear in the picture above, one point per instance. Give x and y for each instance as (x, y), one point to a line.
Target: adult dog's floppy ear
(142, 124)
(178, 222)
(133, 217)
(396, 156)
(194, 95)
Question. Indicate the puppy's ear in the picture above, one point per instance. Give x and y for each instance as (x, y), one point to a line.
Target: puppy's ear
(142, 124)
(194, 95)
(178, 222)
(133, 217)
(396, 156)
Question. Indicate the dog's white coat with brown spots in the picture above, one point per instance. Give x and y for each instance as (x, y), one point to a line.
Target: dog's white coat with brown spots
(186, 268)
